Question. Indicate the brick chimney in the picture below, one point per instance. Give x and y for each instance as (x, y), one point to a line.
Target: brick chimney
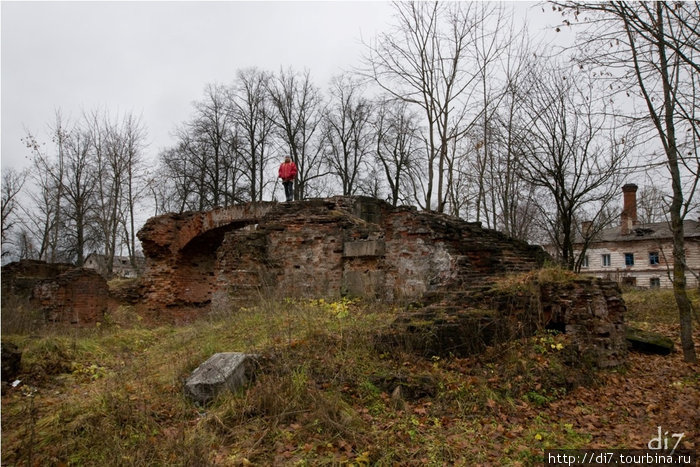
(586, 227)
(628, 218)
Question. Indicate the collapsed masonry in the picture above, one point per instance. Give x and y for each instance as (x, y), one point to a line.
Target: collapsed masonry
(463, 322)
(324, 247)
(61, 292)
(365, 247)
(343, 245)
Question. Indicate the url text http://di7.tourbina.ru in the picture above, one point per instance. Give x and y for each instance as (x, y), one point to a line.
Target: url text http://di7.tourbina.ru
(663, 449)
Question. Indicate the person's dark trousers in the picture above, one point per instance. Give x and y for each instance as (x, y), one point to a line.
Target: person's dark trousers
(289, 190)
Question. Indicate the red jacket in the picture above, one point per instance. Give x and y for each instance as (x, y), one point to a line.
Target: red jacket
(288, 171)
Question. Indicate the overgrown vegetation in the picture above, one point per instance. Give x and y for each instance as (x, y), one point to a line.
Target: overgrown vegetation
(525, 282)
(113, 395)
(649, 307)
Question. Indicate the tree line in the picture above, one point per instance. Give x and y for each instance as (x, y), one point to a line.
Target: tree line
(453, 109)
(87, 183)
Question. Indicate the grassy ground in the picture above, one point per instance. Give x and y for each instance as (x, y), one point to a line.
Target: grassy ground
(112, 395)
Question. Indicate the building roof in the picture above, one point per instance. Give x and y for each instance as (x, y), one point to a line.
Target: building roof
(652, 231)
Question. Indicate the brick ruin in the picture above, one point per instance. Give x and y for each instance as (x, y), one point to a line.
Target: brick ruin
(463, 322)
(365, 247)
(444, 266)
(323, 247)
(61, 292)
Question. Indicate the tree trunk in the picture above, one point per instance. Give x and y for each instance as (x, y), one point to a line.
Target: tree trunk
(679, 283)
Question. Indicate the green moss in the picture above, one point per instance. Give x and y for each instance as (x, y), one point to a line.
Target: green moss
(648, 342)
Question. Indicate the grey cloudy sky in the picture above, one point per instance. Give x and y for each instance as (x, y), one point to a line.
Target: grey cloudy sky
(154, 58)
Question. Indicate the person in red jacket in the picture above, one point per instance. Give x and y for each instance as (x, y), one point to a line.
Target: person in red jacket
(288, 172)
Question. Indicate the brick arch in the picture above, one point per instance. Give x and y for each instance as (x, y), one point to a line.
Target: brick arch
(168, 234)
(180, 251)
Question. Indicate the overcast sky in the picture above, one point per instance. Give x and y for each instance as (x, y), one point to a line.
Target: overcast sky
(154, 58)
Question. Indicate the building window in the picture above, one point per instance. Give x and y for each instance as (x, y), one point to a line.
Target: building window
(653, 258)
(655, 283)
(631, 281)
(606, 260)
(629, 259)
(584, 264)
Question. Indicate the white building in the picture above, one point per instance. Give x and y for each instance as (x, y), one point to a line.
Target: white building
(641, 254)
(121, 266)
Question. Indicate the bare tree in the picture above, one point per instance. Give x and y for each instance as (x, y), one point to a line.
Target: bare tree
(398, 146)
(515, 196)
(190, 161)
(423, 61)
(508, 197)
(347, 137)
(78, 190)
(134, 135)
(109, 166)
(175, 186)
(116, 147)
(252, 112)
(490, 45)
(212, 135)
(297, 118)
(170, 184)
(202, 170)
(573, 155)
(85, 191)
(39, 216)
(12, 183)
(48, 172)
(25, 245)
(650, 50)
(652, 205)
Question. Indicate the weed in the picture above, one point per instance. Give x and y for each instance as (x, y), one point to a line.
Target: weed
(19, 316)
(324, 394)
(657, 306)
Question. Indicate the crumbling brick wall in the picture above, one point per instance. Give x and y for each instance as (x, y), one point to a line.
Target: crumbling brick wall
(20, 277)
(591, 311)
(356, 245)
(461, 322)
(62, 292)
(78, 296)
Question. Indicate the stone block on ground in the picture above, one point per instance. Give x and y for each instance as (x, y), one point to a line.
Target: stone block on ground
(222, 371)
(648, 342)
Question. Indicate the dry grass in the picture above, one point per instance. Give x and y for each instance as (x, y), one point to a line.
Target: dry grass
(656, 306)
(112, 395)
